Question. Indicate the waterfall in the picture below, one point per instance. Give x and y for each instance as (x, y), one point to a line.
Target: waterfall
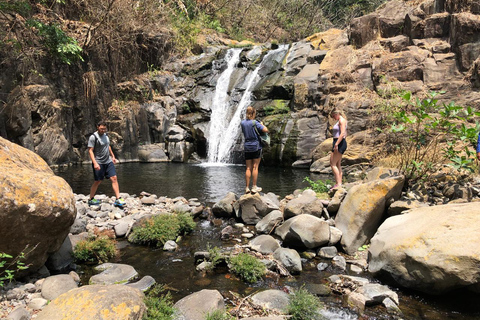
(230, 133)
(218, 118)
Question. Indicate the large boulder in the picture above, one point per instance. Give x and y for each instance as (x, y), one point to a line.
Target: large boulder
(37, 208)
(113, 302)
(196, 305)
(276, 300)
(253, 208)
(362, 210)
(54, 286)
(304, 231)
(305, 203)
(431, 249)
(269, 222)
(264, 244)
(224, 208)
(289, 258)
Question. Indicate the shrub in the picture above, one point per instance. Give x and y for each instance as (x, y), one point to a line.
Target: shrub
(57, 42)
(247, 267)
(162, 228)
(425, 132)
(278, 108)
(318, 186)
(214, 257)
(219, 315)
(95, 250)
(159, 305)
(303, 305)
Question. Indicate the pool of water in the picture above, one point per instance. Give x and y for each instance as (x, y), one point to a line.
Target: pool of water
(208, 183)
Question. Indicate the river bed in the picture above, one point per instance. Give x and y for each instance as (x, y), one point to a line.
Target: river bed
(209, 183)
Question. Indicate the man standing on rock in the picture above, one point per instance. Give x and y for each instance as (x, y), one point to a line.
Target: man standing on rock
(103, 163)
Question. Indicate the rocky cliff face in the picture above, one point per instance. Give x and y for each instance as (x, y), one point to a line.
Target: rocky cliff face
(165, 115)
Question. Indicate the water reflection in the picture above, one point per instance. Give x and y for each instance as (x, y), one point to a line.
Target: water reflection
(203, 181)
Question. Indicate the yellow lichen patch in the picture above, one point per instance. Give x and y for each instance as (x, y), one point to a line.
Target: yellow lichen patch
(122, 311)
(327, 40)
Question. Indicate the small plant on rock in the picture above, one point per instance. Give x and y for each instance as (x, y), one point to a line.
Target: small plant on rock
(159, 304)
(219, 315)
(162, 228)
(318, 186)
(9, 266)
(95, 250)
(304, 306)
(214, 257)
(247, 267)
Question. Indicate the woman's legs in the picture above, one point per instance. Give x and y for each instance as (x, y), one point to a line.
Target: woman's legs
(248, 171)
(335, 164)
(256, 163)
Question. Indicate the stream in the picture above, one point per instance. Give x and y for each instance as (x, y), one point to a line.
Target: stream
(209, 183)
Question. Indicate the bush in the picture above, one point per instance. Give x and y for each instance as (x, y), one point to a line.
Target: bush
(318, 186)
(247, 267)
(95, 250)
(303, 305)
(162, 228)
(159, 306)
(219, 315)
(214, 257)
(427, 133)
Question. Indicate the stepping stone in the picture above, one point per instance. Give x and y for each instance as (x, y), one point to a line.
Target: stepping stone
(113, 273)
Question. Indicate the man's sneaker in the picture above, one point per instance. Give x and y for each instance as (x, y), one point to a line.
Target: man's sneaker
(119, 202)
(94, 202)
(256, 189)
(247, 190)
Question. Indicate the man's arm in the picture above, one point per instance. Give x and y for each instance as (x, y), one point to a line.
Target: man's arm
(96, 166)
(112, 155)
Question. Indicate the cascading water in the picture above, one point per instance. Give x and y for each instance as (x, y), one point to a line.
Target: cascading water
(226, 137)
(218, 118)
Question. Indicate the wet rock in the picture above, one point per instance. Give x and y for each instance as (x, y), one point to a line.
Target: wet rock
(224, 207)
(170, 245)
(322, 266)
(375, 293)
(339, 262)
(143, 284)
(196, 305)
(356, 301)
(269, 222)
(433, 231)
(109, 302)
(113, 273)
(54, 286)
(361, 212)
(226, 233)
(275, 300)
(289, 258)
(264, 244)
(318, 289)
(304, 231)
(62, 258)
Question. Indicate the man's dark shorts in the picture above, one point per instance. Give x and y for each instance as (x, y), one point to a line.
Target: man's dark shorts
(106, 171)
(253, 155)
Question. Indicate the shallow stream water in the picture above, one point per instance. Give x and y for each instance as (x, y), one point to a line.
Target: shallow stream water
(211, 183)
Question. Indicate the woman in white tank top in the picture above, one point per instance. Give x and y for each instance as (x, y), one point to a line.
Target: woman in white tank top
(339, 146)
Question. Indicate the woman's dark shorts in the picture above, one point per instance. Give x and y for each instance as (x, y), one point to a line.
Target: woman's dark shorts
(341, 147)
(106, 171)
(253, 155)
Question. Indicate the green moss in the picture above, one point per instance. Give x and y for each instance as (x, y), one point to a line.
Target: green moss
(162, 228)
(95, 250)
(247, 267)
(277, 107)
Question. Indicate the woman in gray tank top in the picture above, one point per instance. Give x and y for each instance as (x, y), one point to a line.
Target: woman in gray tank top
(339, 146)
